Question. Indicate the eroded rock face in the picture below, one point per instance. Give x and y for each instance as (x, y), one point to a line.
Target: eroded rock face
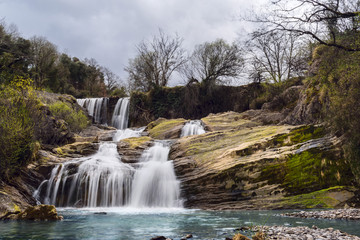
(242, 164)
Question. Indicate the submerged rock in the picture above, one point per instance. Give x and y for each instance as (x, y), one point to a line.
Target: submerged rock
(36, 213)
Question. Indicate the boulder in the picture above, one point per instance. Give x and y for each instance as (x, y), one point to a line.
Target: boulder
(36, 213)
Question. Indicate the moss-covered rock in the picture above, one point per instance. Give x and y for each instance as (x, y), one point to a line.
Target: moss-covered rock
(130, 149)
(35, 213)
(137, 142)
(243, 164)
(77, 149)
(326, 198)
(166, 128)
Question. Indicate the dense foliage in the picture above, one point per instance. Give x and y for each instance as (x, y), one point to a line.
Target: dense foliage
(76, 120)
(337, 83)
(39, 60)
(17, 139)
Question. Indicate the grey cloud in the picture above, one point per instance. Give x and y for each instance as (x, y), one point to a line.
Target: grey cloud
(109, 30)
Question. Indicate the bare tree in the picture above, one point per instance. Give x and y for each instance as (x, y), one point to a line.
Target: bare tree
(325, 21)
(111, 80)
(276, 56)
(44, 56)
(155, 62)
(214, 62)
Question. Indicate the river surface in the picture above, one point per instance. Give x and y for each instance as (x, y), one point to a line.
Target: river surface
(136, 224)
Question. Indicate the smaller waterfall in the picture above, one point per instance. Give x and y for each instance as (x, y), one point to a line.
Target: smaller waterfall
(121, 114)
(194, 127)
(155, 183)
(127, 133)
(96, 107)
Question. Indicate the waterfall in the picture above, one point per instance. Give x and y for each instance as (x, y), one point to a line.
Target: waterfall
(96, 107)
(121, 114)
(102, 180)
(155, 183)
(127, 133)
(193, 127)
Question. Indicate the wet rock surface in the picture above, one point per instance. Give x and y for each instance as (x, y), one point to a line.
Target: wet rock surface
(346, 214)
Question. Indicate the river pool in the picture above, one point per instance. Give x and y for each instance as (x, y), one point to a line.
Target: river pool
(134, 224)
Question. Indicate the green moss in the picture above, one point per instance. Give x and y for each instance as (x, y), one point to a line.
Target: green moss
(309, 171)
(16, 208)
(136, 142)
(159, 128)
(317, 199)
(299, 135)
(58, 151)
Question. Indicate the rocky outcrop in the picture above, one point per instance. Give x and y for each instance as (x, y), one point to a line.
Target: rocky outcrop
(130, 149)
(243, 164)
(165, 129)
(35, 213)
(307, 111)
(102, 133)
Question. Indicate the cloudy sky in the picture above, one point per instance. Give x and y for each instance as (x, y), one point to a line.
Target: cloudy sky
(108, 30)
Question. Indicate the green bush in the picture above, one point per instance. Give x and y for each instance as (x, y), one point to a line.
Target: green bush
(17, 140)
(76, 120)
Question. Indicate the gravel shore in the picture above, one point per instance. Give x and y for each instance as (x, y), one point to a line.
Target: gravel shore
(345, 214)
(303, 233)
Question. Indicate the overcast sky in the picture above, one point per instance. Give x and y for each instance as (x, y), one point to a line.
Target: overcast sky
(109, 30)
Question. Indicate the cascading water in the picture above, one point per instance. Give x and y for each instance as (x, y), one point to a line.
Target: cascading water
(98, 180)
(102, 180)
(155, 183)
(121, 114)
(127, 133)
(194, 127)
(96, 107)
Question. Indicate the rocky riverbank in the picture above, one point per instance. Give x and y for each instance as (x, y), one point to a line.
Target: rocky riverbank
(345, 214)
(303, 233)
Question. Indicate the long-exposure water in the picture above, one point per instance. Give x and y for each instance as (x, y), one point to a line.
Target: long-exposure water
(142, 223)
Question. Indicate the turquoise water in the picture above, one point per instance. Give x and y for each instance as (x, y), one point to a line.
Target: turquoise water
(134, 224)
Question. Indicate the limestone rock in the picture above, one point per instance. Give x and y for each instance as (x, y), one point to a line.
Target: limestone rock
(166, 129)
(102, 133)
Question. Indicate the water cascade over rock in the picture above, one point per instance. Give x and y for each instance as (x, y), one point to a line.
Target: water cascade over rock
(194, 127)
(102, 180)
(98, 180)
(121, 114)
(96, 107)
(155, 183)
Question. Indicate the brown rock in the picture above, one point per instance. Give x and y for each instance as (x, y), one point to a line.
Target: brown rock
(240, 237)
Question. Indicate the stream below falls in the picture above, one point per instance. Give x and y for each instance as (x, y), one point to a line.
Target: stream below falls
(145, 223)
